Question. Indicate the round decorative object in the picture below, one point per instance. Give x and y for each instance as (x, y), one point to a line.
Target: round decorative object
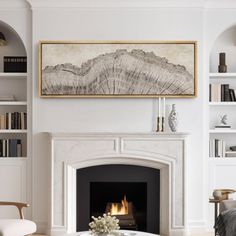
(173, 119)
(217, 194)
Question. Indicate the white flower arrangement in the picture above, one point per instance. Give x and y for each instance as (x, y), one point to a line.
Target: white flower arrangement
(104, 224)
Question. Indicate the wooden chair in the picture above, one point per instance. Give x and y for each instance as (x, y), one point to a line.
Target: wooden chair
(16, 227)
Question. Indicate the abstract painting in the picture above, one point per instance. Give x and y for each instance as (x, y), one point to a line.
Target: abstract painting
(117, 69)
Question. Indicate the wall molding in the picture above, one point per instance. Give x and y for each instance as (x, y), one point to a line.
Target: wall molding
(202, 4)
(14, 4)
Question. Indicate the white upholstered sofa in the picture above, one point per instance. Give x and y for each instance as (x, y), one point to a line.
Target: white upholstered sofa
(16, 227)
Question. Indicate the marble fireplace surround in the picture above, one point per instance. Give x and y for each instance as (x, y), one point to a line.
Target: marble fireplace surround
(72, 151)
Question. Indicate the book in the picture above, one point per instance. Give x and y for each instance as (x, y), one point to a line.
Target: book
(230, 154)
(222, 127)
(13, 147)
(15, 64)
(4, 148)
(222, 93)
(216, 147)
(231, 93)
(1, 154)
(226, 93)
(7, 97)
(210, 93)
(214, 96)
(7, 148)
(19, 148)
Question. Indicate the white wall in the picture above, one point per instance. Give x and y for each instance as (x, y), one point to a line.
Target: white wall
(121, 115)
(116, 115)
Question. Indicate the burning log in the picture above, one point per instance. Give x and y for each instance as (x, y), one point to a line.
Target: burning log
(124, 212)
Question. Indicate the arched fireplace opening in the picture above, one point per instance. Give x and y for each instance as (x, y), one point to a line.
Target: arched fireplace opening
(131, 193)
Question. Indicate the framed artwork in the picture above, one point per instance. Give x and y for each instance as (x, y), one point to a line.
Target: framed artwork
(117, 69)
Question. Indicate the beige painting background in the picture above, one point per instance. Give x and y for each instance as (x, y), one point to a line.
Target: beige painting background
(76, 53)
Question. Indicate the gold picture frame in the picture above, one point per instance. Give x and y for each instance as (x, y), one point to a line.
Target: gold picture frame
(134, 69)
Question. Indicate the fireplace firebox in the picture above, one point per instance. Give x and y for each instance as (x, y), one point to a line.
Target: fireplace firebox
(131, 193)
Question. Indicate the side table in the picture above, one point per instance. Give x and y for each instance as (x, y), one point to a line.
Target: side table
(216, 203)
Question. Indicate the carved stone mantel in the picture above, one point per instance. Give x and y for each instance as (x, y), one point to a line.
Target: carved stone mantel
(163, 151)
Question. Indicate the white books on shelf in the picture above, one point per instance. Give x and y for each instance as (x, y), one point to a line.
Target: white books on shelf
(7, 97)
(217, 148)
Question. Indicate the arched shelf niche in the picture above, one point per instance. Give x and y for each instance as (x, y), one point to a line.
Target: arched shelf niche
(15, 45)
(225, 42)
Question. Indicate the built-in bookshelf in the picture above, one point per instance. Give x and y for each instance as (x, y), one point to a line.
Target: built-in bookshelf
(222, 90)
(13, 115)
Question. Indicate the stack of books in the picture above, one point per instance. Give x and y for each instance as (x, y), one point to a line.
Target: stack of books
(217, 148)
(13, 120)
(221, 93)
(4, 97)
(15, 64)
(10, 148)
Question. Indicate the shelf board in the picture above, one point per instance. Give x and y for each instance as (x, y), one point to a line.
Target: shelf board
(12, 158)
(223, 131)
(222, 103)
(223, 75)
(222, 158)
(13, 75)
(13, 131)
(13, 103)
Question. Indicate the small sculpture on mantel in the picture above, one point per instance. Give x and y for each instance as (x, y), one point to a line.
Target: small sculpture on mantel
(223, 122)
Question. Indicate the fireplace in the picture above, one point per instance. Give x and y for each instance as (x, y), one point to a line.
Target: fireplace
(162, 153)
(101, 187)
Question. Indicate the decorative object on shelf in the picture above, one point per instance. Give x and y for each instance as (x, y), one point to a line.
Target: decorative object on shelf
(217, 194)
(223, 123)
(15, 64)
(173, 119)
(232, 148)
(161, 115)
(104, 225)
(3, 41)
(117, 69)
(222, 68)
(223, 194)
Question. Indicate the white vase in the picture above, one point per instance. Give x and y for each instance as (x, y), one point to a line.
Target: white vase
(173, 119)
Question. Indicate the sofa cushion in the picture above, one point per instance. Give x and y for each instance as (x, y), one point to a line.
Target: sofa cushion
(227, 204)
(12, 227)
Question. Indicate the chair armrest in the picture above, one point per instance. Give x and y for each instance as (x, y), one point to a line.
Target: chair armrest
(19, 206)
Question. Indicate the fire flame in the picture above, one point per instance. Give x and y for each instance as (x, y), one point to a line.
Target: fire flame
(120, 208)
